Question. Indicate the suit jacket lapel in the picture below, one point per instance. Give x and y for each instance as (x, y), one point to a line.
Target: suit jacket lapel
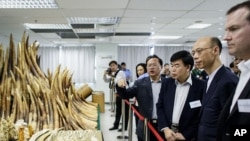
(210, 91)
(243, 94)
(171, 97)
(149, 88)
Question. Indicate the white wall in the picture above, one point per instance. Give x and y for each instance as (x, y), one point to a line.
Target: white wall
(104, 54)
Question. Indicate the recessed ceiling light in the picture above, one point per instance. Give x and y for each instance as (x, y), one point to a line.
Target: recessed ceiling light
(28, 4)
(165, 37)
(47, 26)
(102, 20)
(101, 30)
(198, 26)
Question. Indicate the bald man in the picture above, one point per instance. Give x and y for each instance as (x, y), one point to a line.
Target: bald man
(220, 85)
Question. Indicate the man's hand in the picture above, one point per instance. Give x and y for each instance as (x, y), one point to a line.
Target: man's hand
(179, 136)
(169, 134)
(122, 83)
(106, 73)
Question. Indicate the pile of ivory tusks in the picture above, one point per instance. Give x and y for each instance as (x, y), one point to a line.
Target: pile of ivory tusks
(69, 135)
(41, 101)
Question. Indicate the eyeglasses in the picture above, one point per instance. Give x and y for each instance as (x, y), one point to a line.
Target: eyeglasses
(237, 59)
(199, 50)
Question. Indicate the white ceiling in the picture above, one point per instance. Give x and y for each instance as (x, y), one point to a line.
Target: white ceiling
(171, 18)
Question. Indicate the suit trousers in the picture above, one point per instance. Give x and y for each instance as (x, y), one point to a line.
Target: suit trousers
(118, 113)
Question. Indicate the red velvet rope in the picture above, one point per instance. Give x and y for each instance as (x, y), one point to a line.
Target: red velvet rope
(159, 138)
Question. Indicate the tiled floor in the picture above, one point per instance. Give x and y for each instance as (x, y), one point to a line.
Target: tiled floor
(106, 121)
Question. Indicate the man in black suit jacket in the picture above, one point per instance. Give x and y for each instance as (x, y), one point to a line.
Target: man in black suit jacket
(146, 92)
(220, 85)
(236, 113)
(179, 102)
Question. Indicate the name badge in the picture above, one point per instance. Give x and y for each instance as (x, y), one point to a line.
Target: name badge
(195, 104)
(244, 105)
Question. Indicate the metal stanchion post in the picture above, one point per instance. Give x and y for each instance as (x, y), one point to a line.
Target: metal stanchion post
(112, 101)
(123, 122)
(112, 95)
(146, 129)
(130, 121)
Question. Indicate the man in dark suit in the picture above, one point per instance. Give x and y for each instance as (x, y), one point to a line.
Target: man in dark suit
(179, 101)
(236, 113)
(220, 85)
(146, 91)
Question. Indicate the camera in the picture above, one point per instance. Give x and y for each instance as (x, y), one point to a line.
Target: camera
(108, 70)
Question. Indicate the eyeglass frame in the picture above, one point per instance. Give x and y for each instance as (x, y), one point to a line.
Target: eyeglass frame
(199, 50)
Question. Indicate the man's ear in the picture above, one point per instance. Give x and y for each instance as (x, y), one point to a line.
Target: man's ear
(188, 67)
(216, 49)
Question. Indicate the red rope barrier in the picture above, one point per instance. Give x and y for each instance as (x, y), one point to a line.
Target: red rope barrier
(135, 111)
(159, 138)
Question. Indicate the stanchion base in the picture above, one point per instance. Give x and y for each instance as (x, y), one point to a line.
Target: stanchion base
(122, 137)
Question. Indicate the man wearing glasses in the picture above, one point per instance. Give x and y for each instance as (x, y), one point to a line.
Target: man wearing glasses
(220, 85)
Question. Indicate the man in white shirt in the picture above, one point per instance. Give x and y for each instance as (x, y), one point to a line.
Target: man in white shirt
(111, 76)
(236, 113)
(179, 101)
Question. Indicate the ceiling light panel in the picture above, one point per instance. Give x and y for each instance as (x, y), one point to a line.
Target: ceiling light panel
(28, 4)
(103, 30)
(47, 26)
(198, 26)
(165, 37)
(102, 20)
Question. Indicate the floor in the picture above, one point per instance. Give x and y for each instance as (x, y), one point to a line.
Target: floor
(106, 121)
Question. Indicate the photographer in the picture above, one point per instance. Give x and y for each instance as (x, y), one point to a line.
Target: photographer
(111, 75)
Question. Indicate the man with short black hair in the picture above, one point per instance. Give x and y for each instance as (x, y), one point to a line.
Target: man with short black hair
(166, 70)
(111, 77)
(179, 101)
(126, 71)
(236, 113)
(146, 91)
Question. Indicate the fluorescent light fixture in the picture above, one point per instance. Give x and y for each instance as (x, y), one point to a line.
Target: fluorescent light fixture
(165, 37)
(28, 4)
(198, 26)
(66, 45)
(101, 30)
(47, 26)
(102, 20)
(145, 45)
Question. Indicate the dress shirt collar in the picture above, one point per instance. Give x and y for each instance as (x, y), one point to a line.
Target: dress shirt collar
(211, 76)
(188, 81)
(155, 81)
(244, 65)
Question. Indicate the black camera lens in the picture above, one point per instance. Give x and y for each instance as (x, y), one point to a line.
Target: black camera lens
(108, 71)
